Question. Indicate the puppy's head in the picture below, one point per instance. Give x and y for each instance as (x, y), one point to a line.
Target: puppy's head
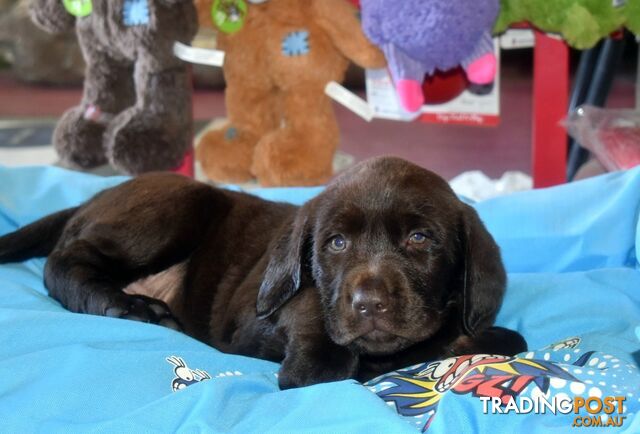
(395, 256)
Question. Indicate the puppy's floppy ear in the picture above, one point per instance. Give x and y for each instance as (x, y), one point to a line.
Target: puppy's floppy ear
(484, 278)
(284, 271)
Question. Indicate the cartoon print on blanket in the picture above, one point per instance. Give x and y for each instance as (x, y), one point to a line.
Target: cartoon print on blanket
(185, 376)
(560, 372)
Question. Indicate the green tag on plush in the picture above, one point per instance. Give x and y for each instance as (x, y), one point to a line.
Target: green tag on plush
(78, 8)
(228, 15)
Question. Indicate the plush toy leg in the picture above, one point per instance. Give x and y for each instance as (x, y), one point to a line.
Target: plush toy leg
(301, 152)
(156, 133)
(410, 94)
(108, 89)
(481, 66)
(78, 141)
(226, 154)
(407, 75)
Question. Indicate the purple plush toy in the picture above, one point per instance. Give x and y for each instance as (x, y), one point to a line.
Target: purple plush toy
(420, 36)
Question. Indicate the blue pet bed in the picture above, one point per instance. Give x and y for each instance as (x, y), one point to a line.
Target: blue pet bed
(574, 293)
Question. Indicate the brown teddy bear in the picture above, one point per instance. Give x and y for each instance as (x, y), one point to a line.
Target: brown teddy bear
(279, 56)
(136, 108)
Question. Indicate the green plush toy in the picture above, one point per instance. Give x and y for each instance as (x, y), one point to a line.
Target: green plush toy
(582, 23)
(633, 16)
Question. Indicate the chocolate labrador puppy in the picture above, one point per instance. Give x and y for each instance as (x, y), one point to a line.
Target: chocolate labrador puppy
(384, 269)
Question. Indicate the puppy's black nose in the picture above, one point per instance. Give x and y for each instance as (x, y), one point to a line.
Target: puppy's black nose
(368, 303)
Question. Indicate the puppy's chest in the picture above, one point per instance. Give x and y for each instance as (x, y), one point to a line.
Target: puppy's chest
(234, 326)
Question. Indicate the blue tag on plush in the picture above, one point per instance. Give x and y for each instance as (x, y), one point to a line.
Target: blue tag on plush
(135, 12)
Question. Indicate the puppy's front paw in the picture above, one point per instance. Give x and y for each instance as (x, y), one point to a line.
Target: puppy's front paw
(304, 367)
(144, 309)
(493, 340)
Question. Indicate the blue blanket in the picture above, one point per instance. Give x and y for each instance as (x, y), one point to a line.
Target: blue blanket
(574, 293)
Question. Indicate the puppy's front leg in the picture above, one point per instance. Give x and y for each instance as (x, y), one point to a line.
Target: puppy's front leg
(83, 279)
(313, 358)
(493, 340)
(310, 355)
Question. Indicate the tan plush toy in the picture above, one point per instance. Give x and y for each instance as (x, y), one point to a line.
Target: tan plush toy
(280, 55)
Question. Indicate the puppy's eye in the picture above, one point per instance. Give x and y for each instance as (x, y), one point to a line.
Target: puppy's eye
(417, 238)
(338, 243)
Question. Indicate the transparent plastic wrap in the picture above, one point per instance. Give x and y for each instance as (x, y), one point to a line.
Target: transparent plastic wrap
(612, 135)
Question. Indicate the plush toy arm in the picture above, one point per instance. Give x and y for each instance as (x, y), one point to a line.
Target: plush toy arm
(340, 20)
(51, 16)
(481, 65)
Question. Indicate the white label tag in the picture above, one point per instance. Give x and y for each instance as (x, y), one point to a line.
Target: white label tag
(349, 99)
(202, 56)
(619, 3)
(517, 38)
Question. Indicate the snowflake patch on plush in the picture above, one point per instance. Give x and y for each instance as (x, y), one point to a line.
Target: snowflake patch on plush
(135, 12)
(296, 43)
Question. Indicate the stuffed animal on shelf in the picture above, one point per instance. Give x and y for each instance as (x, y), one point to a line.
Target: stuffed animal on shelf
(279, 56)
(582, 23)
(419, 37)
(136, 107)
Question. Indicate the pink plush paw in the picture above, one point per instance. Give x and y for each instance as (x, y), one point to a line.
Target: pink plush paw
(483, 69)
(410, 94)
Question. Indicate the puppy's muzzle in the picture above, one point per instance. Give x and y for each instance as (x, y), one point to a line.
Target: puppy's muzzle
(370, 300)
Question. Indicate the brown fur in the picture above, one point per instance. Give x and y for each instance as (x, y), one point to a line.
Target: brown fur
(285, 129)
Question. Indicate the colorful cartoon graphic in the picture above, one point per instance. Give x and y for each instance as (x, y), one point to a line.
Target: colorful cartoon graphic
(184, 375)
(417, 391)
